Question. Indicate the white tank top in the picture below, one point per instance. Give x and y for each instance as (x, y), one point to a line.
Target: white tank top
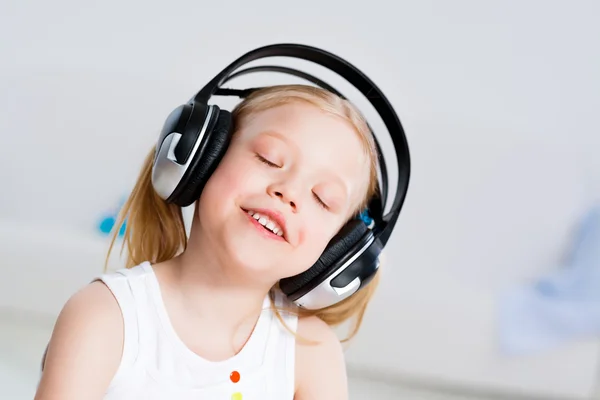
(157, 365)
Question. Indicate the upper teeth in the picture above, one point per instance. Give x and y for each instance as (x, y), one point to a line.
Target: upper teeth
(267, 223)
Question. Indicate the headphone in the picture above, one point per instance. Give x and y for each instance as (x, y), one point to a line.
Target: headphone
(196, 135)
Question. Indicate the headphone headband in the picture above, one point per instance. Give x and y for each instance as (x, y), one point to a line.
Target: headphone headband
(361, 82)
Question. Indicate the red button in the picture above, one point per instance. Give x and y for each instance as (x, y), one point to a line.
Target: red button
(235, 377)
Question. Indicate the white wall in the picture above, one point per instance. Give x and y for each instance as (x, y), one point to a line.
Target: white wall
(498, 100)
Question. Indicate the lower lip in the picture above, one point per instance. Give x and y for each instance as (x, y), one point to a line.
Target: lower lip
(264, 231)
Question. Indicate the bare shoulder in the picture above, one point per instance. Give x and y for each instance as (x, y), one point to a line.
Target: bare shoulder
(320, 364)
(85, 347)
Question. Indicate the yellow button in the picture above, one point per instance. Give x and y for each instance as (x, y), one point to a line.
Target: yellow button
(236, 396)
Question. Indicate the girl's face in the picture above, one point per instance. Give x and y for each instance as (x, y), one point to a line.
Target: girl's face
(303, 171)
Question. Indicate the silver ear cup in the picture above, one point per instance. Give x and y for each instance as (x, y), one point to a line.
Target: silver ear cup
(167, 172)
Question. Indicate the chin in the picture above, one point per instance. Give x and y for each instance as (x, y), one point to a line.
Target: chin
(253, 256)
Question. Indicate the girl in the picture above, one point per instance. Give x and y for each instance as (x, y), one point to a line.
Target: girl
(202, 317)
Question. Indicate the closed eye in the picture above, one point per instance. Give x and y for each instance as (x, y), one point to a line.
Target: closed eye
(265, 161)
(321, 203)
(270, 164)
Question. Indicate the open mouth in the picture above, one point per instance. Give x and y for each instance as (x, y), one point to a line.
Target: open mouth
(265, 224)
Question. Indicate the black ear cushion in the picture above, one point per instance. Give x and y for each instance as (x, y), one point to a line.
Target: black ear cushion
(338, 246)
(205, 160)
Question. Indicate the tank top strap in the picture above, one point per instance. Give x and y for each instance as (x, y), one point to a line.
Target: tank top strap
(281, 349)
(287, 310)
(129, 289)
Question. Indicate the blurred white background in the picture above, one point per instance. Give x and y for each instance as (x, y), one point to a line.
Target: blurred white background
(499, 100)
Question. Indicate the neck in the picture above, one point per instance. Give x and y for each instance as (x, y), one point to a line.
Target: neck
(210, 285)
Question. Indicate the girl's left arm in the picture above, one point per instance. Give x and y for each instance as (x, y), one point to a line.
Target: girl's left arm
(320, 367)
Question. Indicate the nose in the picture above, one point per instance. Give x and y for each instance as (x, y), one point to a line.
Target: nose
(286, 193)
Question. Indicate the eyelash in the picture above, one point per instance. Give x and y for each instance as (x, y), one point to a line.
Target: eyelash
(320, 202)
(265, 161)
(270, 164)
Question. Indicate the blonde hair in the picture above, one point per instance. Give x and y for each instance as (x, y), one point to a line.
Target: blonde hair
(155, 230)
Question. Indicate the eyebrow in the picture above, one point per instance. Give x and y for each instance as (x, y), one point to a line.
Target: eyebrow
(275, 134)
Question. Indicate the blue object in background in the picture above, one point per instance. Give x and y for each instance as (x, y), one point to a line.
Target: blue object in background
(107, 224)
(559, 307)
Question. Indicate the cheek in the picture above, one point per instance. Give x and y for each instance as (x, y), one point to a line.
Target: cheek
(308, 253)
(315, 236)
(234, 177)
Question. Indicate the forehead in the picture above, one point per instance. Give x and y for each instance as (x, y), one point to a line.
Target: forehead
(303, 125)
(318, 134)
